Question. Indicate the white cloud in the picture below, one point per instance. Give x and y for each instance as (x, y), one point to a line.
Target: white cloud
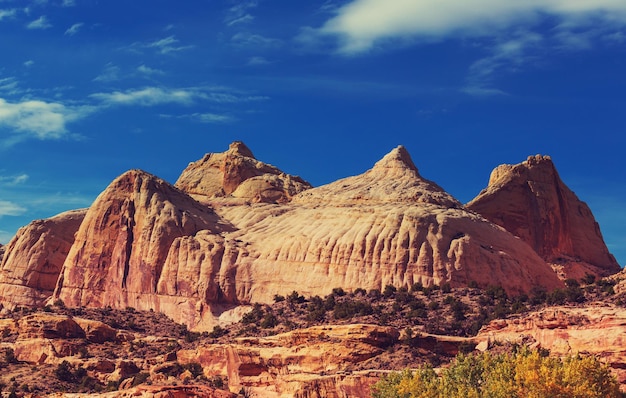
(146, 70)
(7, 14)
(148, 96)
(151, 96)
(72, 30)
(29, 63)
(363, 24)
(8, 84)
(110, 73)
(10, 209)
(40, 23)
(212, 118)
(254, 40)
(168, 45)
(38, 118)
(69, 3)
(508, 55)
(14, 180)
(239, 13)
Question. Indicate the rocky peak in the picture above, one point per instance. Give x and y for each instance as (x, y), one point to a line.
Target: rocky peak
(237, 174)
(393, 179)
(531, 201)
(240, 149)
(398, 159)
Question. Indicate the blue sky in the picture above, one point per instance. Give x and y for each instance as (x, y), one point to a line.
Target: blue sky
(322, 89)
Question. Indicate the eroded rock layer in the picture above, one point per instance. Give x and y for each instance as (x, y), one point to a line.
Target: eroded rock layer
(30, 269)
(530, 201)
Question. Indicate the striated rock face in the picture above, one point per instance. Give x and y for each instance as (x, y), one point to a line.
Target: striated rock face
(530, 201)
(34, 257)
(238, 174)
(124, 240)
(300, 363)
(147, 245)
(595, 330)
(2, 248)
(386, 226)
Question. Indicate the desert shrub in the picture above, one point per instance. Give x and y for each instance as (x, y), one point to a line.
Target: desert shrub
(446, 288)
(359, 291)
(295, 298)
(347, 309)
(217, 332)
(269, 321)
(417, 287)
(63, 372)
(278, 298)
(9, 356)
(338, 292)
(524, 373)
(389, 291)
(255, 315)
(194, 368)
(374, 294)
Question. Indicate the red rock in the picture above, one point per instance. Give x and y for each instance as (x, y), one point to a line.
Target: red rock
(123, 243)
(34, 257)
(531, 201)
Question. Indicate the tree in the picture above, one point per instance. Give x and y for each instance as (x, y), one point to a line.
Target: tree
(521, 374)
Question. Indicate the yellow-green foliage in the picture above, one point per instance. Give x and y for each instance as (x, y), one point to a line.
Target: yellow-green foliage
(524, 374)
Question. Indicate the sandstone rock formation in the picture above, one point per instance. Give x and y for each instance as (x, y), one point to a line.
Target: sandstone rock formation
(595, 330)
(147, 245)
(123, 243)
(2, 248)
(530, 201)
(30, 268)
(238, 174)
(298, 363)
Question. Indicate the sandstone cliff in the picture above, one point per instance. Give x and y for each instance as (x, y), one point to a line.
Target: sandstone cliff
(595, 330)
(238, 174)
(530, 201)
(34, 257)
(123, 243)
(148, 245)
(2, 248)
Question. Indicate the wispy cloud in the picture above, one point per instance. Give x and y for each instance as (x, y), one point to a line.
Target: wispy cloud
(72, 30)
(509, 54)
(40, 23)
(10, 209)
(146, 70)
(29, 63)
(151, 96)
(254, 40)
(168, 45)
(240, 13)
(110, 73)
(69, 3)
(148, 96)
(213, 118)
(14, 180)
(362, 25)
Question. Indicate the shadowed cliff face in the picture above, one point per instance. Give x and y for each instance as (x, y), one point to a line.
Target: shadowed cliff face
(149, 245)
(530, 201)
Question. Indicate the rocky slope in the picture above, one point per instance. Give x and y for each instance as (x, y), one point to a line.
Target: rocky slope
(30, 269)
(531, 201)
